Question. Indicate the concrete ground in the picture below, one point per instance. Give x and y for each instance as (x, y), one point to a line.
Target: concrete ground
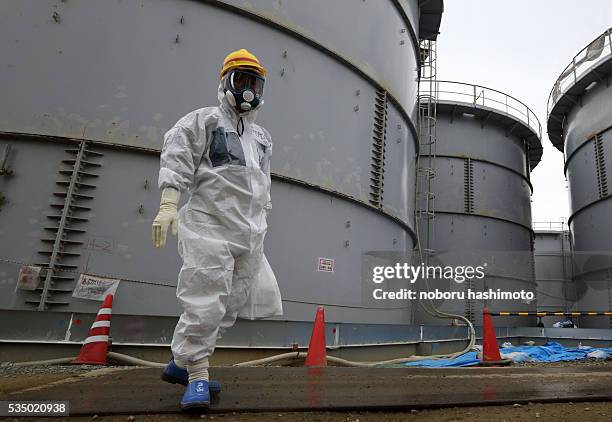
(321, 391)
(548, 412)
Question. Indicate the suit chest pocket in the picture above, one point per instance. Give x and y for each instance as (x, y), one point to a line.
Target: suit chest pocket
(225, 149)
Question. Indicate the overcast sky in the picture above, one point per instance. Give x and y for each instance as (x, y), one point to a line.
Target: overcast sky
(520, 47)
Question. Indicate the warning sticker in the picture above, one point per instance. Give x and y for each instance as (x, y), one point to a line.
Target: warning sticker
(95, 288)
(326, 265)
(29, 278)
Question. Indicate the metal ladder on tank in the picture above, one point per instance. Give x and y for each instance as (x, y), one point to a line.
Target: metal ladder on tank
(426, 123)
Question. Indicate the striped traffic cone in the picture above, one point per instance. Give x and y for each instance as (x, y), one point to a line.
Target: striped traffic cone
(490, 349)
(94, 350)
(317, 354)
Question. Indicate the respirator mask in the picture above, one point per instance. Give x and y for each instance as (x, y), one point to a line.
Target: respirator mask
(244, 89)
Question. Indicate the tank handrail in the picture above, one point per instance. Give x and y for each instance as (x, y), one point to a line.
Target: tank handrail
(594, 51)
(503, 102)
(477, 97)
(559, 226)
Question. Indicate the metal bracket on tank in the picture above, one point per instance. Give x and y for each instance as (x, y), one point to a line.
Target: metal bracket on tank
(4, 168)
(377, 172)
(600, 166)
(468, 186)
(69, 223)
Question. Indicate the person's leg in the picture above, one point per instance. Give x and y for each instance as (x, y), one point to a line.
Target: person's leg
(204, 285)
(246, 267)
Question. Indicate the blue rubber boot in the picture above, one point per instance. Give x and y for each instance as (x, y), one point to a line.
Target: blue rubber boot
(175, 375)
(196, 396)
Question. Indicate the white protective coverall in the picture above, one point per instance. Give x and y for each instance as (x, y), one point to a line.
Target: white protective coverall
(222, 226)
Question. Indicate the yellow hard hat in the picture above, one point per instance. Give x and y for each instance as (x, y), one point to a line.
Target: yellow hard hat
(242, 59)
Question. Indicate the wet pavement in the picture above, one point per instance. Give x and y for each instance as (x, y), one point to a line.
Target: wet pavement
(139, 390)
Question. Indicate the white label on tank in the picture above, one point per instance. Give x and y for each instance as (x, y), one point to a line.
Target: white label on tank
(95, 288)
(326, 265)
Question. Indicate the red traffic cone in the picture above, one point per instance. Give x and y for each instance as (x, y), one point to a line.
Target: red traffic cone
(490, 349)
(317, 355)
(94, 350)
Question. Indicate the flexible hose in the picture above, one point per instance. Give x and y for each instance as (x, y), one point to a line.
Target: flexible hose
(435, 312)
(270, 359)
(113, 356)
(130, 360)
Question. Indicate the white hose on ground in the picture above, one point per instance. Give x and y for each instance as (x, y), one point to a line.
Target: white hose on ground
(113, 356)
(130, 360)
(275, 358)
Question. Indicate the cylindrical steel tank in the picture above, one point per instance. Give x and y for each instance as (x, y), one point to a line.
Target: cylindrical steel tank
(580, 125)
(486, 144)
(90, 87)
(553, 270)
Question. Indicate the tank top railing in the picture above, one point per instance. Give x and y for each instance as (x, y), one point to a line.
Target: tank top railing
(596, 52)
(482, 96)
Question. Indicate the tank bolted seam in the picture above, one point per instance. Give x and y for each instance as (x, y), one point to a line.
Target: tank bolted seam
(275, 176)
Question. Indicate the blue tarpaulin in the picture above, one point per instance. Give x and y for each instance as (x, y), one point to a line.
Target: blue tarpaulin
(550, 352)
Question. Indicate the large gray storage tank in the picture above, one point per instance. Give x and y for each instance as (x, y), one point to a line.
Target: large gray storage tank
(90, 87)
(580, 125)
(553, 270)
(487, 142)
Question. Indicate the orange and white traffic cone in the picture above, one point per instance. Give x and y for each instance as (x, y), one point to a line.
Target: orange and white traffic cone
(95, 348)
(317, 355)
(490, 349)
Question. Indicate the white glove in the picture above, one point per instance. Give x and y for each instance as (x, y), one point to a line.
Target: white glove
(167, 216)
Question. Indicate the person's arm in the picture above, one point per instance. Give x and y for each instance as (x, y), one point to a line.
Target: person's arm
(267, 171)
(179, 158)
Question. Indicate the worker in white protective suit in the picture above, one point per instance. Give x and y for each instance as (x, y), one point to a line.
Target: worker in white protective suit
(221, 158)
